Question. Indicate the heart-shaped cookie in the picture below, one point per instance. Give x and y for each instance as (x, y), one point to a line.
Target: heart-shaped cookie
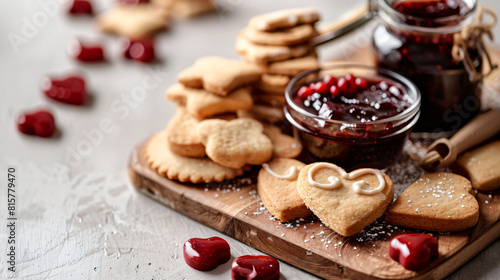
(345, 202)
(277, 188)
(437, 202)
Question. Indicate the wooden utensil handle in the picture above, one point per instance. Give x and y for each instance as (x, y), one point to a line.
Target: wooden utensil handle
(479, 129)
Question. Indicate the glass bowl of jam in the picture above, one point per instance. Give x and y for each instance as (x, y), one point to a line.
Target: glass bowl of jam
(416, 40)
(352, 115)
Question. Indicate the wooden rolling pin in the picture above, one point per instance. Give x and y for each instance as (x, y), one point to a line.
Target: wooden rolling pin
(444, 152)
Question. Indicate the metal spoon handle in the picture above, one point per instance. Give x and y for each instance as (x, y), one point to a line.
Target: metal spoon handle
(347, 23)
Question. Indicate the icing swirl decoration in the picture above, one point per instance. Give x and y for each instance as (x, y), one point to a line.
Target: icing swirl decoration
(291, 175)
(359, 187)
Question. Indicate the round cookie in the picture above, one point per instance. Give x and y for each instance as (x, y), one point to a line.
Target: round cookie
(184, 169)
(182, 137)
(292, 67)
(268, 98)
(286, 37)
(273, 84)
(263, 113)
(262, 54)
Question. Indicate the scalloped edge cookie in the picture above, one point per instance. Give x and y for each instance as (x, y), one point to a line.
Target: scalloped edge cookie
(184, 169)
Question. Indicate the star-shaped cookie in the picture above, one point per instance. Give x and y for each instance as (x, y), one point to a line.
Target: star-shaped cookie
(133, 21)
(219, 75)
(203, 104)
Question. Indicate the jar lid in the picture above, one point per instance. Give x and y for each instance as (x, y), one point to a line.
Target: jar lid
(443, 25)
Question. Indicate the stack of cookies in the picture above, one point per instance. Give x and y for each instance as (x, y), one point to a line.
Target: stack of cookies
(280, 44)
(205, 141)
(208, 94)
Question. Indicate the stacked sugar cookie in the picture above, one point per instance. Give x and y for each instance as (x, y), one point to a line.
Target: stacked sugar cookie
(185, 8)
(280, 44)
(205, 141)
(140, 19)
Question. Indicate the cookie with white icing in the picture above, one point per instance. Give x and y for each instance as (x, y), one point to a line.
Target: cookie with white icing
(277, 188)
(345, 202)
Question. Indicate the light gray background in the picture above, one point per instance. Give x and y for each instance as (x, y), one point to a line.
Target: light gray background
(79, 217)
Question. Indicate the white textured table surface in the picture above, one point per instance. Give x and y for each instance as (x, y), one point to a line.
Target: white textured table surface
(78, 215)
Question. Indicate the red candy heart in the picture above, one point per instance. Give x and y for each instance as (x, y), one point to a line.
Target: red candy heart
(255, 268)
(39, 123)
(142, 50)
(70, 90)
(85, 53)
(206, 254)
(414, 251)
(81, 7)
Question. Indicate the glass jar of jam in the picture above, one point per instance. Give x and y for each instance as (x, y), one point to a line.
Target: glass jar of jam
(352, 115)
(415, 39)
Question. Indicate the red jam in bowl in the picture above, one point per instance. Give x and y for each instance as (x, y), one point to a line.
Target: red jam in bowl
(355, 116)
(352, 99)
(416, 39)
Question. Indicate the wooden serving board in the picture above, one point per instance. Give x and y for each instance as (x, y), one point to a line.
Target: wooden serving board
(234, 209)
